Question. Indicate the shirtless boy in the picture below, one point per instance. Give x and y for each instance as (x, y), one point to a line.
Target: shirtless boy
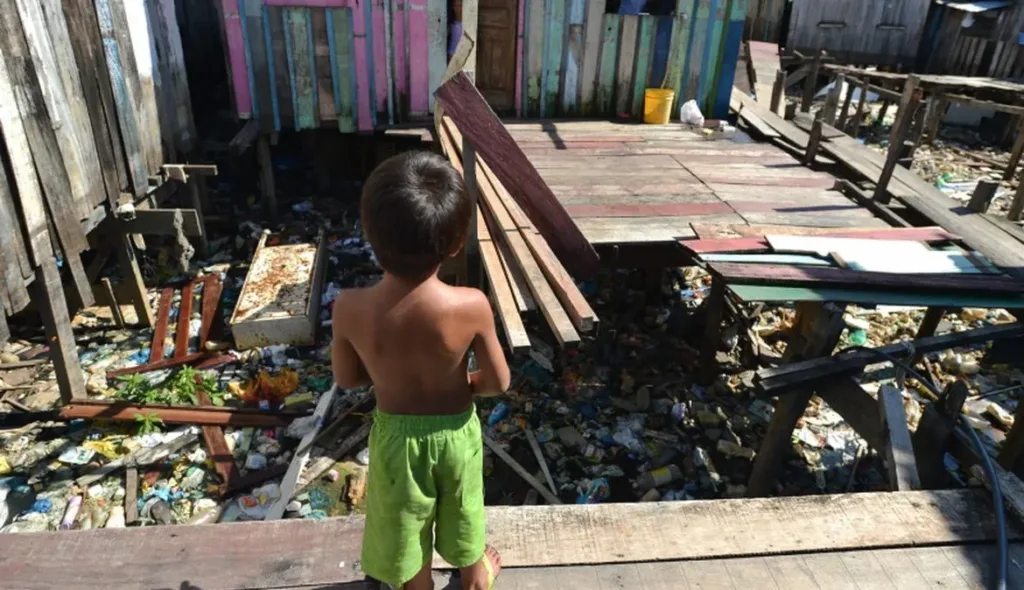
(409, 336)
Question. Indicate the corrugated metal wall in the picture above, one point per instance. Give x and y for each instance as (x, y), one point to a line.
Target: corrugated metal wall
(370, 64)
(865, 32)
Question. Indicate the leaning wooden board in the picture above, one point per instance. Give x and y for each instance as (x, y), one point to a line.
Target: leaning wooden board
(311, 552)
(464, 104)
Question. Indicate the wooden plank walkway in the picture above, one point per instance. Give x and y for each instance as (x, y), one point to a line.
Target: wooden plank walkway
(627, 183)
(715, 543)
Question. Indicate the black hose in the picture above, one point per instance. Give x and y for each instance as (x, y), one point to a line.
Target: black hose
(986, 462)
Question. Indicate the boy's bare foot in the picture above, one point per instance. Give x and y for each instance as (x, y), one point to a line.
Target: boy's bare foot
(482, 574)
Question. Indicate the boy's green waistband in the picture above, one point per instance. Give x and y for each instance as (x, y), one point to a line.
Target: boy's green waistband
(421, 424)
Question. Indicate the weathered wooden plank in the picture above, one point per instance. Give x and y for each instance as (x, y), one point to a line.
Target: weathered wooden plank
(712, 55)
(132, 30)
(662, 50)
(535, 57)
(520, 98)
(235, 49)
(14, 263)
(591, 55)
(277, 63)
(679, 54)
(341, 40)
(124, 98)
(899, 452)
(419, 56)
(504, 301)
(644, 52)
(363, 55)
(726, 70)
(83, 29)
(154, 77)
(323, 79)
(39, 130)
(49, 295)
(379, 34)
(627, 57)
(437, 38)
(480, 126)
(33, 211)
(609, 54)
(77, 152)
(400, 59)
(300, 52)
(554, 41)
(573, 58)
(648, 210)
(258, 60)
(691, 85)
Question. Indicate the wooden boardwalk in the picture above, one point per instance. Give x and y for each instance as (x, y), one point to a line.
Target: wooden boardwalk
(629, 184)
(870, 540)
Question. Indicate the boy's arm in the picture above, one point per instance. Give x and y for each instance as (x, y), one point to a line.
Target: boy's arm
(493, 376)
(348, 369)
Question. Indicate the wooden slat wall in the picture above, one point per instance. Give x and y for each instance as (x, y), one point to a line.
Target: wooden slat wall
(956, 51)
(764, 21)
(376, 63)
(93, 99)
(865, 32)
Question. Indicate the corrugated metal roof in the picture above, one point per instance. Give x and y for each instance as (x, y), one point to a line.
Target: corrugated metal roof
(973, 7)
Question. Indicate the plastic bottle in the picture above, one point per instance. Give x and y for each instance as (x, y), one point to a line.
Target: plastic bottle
(659, 477)
(69, 516)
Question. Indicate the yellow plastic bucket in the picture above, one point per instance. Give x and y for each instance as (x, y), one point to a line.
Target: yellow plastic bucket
(658, 105)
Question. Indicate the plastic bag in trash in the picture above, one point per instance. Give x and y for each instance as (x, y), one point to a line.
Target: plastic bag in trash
(690, 114)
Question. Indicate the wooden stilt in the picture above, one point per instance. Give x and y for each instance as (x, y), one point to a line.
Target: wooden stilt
(899, 452)
(844, 111)
(820, 326)
(712, 331)
(1017, 206)
(60, 338)
(983, 195)
(935, 112)
(908, 106)
(832, 99)
(1015, 153)
(932, 318)
(193, 187)
(267, 191)
(131, 274)
(779, 92)
(934, 434)
(813, 142)
(810, 85)
(862, 103)
(115, 309)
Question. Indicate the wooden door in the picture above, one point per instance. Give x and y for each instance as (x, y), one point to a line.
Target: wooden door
(496, 53)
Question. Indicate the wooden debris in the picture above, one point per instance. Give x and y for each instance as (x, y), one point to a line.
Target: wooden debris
(899, 452)
(523, 473)
(540, 460)
(131, 496)
(934, 434)
(201, 415)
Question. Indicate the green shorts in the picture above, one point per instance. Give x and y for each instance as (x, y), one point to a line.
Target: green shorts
(425, 471)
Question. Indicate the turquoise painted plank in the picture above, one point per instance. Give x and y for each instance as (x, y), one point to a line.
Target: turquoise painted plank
(535, 56)
(754, 293)
(299, 48)
(712, 55)
(644, 52)
(247, 46)
(573, 58)
(554, 42)
(340, 40)
(609, 55)
(730, 55)
(690, 86)
(369, 65)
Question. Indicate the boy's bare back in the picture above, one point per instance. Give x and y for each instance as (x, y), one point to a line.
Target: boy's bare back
(411, 341)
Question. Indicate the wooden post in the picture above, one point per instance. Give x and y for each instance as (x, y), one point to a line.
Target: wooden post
(779, 92)
(916, 131)
(115, 309)
(929, 323)
(790, 113)
(57, 323)
(813, 142)
(1013, 446)
(267, 191)
(712, 330)
(935, 112)
(810, 85)
(1015, 153)
(899, 452)
(820, 325)
(905, 154)
(982, 196)
(832, 100)
(194, 194)
(908, 106)
(472, 258)
(861, 107)
(933, 434)
(882, 111)
(1017, 206)
(133, 276)
(844, 111)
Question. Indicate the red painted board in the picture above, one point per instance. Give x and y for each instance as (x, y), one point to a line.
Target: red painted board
(799, 276)
(478, 124)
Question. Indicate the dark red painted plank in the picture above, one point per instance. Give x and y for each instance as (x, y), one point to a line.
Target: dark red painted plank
(478, 123)
(801, 208)
(211, 297)
(648, 210)
(156, 349)
(754, 180)
(184, 317)
(799, 276)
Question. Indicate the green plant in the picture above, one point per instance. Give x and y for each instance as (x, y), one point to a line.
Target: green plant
(181, 389)
(137, 389)
(148, 423)
(184, 385)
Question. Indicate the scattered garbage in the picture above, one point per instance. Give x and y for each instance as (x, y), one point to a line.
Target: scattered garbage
(690, 114)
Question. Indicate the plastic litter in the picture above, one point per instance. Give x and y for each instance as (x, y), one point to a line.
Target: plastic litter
(689, 113)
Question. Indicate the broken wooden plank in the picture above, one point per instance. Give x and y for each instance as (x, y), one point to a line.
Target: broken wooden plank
(535, 447)
(200, 360)
(115, 309)
(181, 333)
(57, 324)
(521, 471)
(764, 274)
(160, 222)
(131, 496)
(132, 275)
(899, 451)
(931, 440)
(475, 119)
(217, 449)
(156, 349)
(200, 415)
(212, 288)
(909, 103)
(291, 477)
(512, 324)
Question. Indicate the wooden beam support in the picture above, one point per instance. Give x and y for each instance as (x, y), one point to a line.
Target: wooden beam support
(813, 142)
(712, 330)
(819, 326)
(844, 111)
(115, 309)
(934, 435)
(935, 113)
(862, 103)
(982, 196)
(779, 93)
(810, 85)
(1015, 153)
(908, 106)
(268, 193)
(828, 114)
(1017, 206)
(899, 452)
(181, 333)
(984, 104)
(471, 260)
(57, 324)
(131, 275)
(244, 139)
(863, 199)
(160, 222)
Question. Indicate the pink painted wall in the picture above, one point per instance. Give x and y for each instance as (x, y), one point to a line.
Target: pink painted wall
(236, 57)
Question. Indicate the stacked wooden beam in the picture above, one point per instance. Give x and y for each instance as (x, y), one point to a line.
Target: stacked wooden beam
(522, 271)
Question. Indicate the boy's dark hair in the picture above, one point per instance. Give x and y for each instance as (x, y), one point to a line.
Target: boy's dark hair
(415, 212)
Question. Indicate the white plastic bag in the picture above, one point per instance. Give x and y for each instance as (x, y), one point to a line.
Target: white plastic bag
(690, 114)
